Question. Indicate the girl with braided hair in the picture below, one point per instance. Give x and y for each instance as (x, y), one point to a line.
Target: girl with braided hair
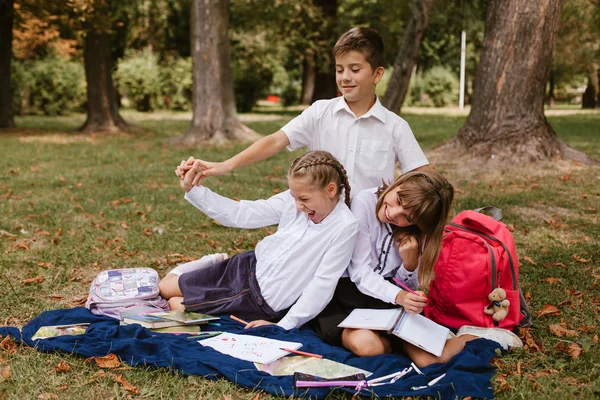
(291, 274)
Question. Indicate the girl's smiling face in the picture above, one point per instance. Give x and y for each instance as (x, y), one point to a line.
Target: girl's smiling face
(314, 202)
(393, 212)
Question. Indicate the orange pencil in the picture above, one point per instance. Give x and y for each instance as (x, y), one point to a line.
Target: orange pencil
(233, 317)
(302, 353)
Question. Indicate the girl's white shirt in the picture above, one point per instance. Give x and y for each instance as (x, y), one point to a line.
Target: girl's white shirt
(299, 265)
(373, 240)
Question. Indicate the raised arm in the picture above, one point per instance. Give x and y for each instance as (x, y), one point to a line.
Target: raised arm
(260, 150)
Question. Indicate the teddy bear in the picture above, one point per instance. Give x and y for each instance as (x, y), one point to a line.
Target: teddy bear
(498, 309)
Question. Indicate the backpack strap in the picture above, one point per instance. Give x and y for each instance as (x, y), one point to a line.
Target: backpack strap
(495, 212)
(527, 320)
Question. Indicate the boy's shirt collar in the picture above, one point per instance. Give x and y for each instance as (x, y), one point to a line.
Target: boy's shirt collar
(377, 110)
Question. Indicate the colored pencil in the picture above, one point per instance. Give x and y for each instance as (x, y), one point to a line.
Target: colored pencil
(302, 353)
(403, 286)
(233, 317)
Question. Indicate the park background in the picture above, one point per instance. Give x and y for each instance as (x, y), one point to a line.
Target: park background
(104, 99)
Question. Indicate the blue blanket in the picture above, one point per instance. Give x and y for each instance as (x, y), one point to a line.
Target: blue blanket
(467, 374)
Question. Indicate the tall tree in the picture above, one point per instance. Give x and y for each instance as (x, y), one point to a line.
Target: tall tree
(214, 114)
(99, 21)
(407, 55)
(6, 26)
(507, 116)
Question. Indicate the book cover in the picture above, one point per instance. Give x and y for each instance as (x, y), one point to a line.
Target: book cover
(185, 316)
(45, 332)
(150, 321)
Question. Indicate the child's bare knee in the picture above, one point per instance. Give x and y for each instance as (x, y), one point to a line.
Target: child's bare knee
(169, 286)
(175, 303)
(363, 342)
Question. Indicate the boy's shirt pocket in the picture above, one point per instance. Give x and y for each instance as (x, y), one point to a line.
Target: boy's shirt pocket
(374, 155)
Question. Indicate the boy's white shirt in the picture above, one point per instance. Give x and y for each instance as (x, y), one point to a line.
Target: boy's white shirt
(366, 253)
(299, 265)
(368, 147)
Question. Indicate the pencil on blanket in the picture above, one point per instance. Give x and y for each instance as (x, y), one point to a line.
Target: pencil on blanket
(233, 317)
(302, 353)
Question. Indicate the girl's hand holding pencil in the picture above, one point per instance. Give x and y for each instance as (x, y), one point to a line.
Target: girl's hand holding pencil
(413, 302)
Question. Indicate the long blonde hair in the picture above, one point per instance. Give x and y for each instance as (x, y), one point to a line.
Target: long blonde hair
(321, 168)
(428, 196)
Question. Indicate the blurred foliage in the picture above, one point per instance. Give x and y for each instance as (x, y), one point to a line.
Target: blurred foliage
(176, 83)
(53, 85)
(441, 86)
(138, 79)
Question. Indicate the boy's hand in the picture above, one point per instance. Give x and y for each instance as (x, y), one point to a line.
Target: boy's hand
(184, 166)
(192, 178)
(408, 247)
(207, 168)
(413, 304)
(258, 322)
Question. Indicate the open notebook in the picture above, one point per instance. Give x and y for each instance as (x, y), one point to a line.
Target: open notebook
(414, 328)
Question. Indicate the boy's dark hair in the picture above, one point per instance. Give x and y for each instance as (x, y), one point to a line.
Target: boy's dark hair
(366, 40)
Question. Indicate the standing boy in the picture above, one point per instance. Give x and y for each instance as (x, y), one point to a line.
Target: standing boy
(363, 135)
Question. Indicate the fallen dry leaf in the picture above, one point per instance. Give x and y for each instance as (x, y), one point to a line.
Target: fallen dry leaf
(21, 246)
(47, 396)
(37, 279)
(529, 260)
(580, 259)
(62, 387)
(528, 341)
(548, 309)
(62, 366)
(587, 328)
(552, 280)
(561, 330)
(227, 397)
(8, 345)
(108, 361)
(119, 378)
(572, 349)
(5, 373)
(502, 382)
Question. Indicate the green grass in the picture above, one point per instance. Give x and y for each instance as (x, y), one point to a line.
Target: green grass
(72, 206)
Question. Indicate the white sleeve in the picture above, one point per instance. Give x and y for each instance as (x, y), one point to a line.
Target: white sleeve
(409, 278)
(238, 214)
(361, 268)
(320, 289)
(407, 149)
(301, 129)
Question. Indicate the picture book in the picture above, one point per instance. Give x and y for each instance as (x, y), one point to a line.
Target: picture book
(250, 348)
(149, 320)
(185, 317)
(45, 332)
(322, 367)
(414, 328)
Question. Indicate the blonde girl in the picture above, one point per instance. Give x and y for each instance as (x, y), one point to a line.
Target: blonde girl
(291, 274)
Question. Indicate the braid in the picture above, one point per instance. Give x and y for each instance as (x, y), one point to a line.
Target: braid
(301, 166)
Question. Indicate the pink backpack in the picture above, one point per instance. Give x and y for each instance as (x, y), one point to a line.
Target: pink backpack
(478, 254)
(117, 290)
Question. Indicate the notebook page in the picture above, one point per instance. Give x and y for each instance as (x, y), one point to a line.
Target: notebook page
(422, 332)
(368, 318)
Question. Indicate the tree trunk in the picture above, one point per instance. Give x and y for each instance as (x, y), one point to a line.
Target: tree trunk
(213, 102)
(102, 108)
(407, 55)
(6, 25)
(325, 86)
(507, 119)
(590, 96)
(551, 101)
(309, 74)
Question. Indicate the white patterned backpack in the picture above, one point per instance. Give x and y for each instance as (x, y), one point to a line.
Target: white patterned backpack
(116, 290)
